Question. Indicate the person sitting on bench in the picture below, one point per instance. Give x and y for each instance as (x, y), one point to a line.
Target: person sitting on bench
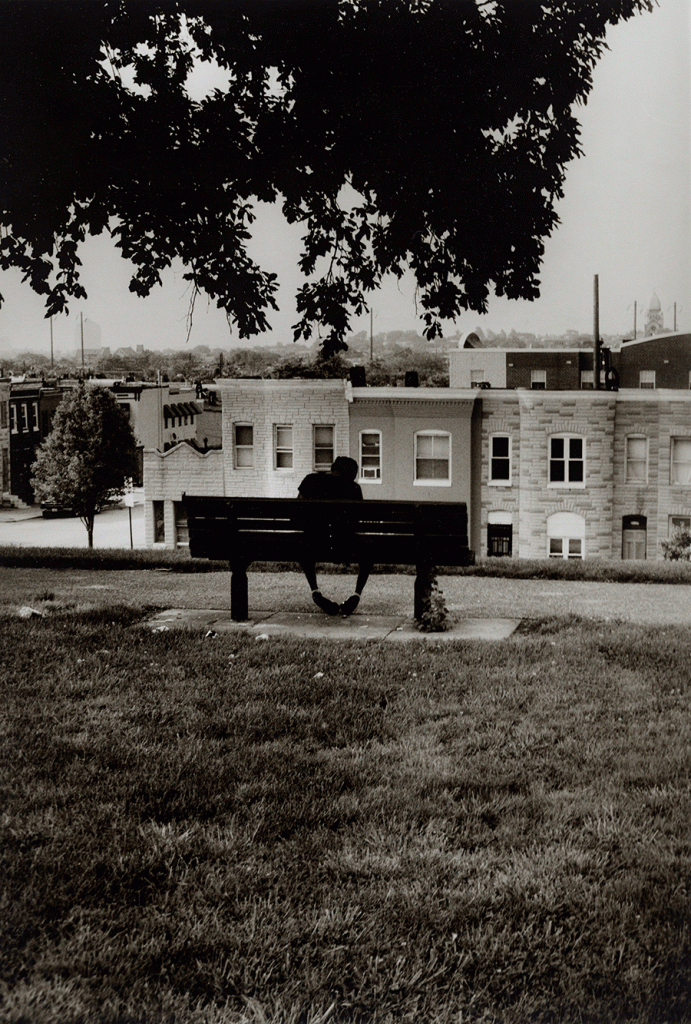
(340, 484)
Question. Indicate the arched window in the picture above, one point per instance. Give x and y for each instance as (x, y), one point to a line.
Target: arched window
(566, 535)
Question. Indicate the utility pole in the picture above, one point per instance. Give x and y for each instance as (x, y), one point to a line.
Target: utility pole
(675, 316)
(81, 326)
(635, 310)
(371, 335)
(51, 344)
(596, 333)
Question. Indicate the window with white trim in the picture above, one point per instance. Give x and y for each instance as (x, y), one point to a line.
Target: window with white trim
(323, 447)
(646, 379)
(678, 523)
(432, 458)
(14, 429)
(370, 456)
(566, 535)
(566, 461)
(34, 416)
(500, 459)
(283, 446)
(636, 460)
(538, 380)
(244, 445)
(25, 417)
(565, 547)
(681, 461)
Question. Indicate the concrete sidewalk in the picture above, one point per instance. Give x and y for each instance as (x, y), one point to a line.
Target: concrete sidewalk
(315, 625)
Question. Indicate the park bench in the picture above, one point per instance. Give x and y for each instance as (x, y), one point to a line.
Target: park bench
(245, 530)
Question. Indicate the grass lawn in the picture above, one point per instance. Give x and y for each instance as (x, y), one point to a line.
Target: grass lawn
(203, 830)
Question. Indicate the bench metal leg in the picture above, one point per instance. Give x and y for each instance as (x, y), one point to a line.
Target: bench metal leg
(239, 608)
(423, 588)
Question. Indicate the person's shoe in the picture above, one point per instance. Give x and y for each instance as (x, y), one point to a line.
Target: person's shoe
(330, 607)
(349, 606)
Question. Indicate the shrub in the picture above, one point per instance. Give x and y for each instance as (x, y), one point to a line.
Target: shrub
(435, 618)
(678, 547)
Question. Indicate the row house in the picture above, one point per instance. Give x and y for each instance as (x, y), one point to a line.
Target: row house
(161, 417)
(32, 406)
(659, 361)
(5, 441)
(569, 474)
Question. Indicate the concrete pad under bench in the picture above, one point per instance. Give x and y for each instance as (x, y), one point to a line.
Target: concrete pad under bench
(316, 626)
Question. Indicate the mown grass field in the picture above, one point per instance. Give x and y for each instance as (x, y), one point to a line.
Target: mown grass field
(223, 829)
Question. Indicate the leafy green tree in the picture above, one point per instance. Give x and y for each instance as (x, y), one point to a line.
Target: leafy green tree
(424, 134)
(89, 455)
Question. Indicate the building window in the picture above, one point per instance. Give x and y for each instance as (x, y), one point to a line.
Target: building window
(3, 414)
(636, 460)
(34, 416)
(681, 460)
(647, 379)
(182, 533)
(432, 458)
(678, 523)
(370, 456)
(565, 547)
(244, 445)
(477, 378)
(587, 380)
(323, 437)
(538, 380)
(5, 456)
(566, 461)
(633, 537)
(25, 418)
(283, 447)
(566, 535)
(499, 540)
(500, 459)
(159, 522)
(13, 419)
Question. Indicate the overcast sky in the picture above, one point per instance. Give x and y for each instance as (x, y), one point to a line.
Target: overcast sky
(626, 217)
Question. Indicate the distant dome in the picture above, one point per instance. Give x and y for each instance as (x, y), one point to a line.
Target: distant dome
(469, 340)
(655, 304)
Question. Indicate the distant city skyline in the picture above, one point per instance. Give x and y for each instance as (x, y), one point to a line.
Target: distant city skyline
(626, 217)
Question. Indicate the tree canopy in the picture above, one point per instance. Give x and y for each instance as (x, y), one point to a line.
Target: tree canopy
(89, 455)
(424, 134)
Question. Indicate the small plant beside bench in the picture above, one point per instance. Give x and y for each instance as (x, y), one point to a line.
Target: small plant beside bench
(243, 530)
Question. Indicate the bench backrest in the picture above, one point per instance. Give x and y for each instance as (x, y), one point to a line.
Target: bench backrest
(277, 529)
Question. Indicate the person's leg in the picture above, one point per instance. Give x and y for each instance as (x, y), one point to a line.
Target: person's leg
(349, 606)
(310, 571)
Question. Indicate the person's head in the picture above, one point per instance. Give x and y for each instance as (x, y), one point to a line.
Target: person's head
(345, 467)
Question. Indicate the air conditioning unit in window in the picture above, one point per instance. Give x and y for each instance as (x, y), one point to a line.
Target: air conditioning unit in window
(371, 474)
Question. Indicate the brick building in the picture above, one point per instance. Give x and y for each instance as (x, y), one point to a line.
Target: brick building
(658, 361)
